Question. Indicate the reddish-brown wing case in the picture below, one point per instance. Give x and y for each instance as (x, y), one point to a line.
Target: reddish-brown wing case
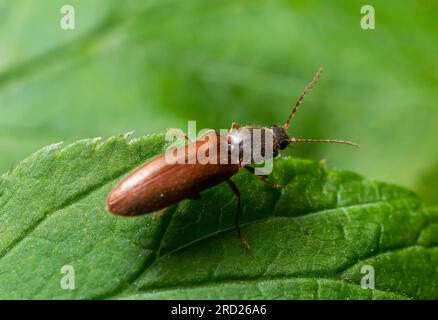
(156, 184)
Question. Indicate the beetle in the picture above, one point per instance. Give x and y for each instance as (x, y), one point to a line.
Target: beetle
(158, 184)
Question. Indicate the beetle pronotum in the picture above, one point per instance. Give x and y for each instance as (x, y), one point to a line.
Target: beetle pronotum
(156, 184)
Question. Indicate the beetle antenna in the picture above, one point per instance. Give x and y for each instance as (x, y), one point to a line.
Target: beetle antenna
(300, 99)
(293, 140)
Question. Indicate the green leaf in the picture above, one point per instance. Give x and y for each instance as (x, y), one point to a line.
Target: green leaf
(310, 239)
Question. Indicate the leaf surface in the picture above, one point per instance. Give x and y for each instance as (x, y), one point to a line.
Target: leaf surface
(310, 239)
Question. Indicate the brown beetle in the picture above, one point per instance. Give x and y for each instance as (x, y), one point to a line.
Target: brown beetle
(157, 184)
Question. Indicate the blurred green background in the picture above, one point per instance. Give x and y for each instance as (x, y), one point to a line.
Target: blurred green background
(151, 65)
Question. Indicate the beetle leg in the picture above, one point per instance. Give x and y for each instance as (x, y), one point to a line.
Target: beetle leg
(237, 218)
(179, 133)
(264, 178)
(234, 126)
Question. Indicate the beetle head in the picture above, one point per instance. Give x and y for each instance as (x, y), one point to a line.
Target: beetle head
(281, 138)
